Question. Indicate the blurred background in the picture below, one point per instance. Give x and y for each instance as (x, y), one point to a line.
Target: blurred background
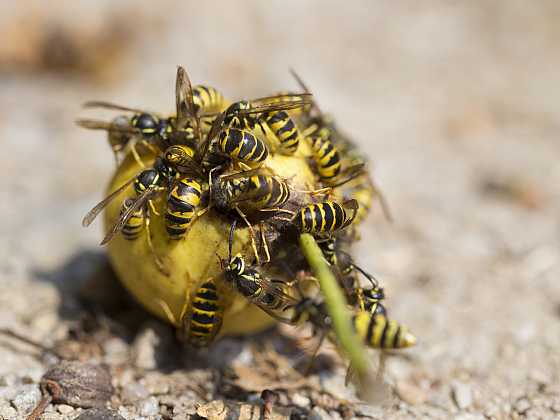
(456, 103)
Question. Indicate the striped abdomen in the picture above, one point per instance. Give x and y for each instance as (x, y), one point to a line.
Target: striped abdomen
(135, 224)
(284, 129)
(205, 318)
(270, 191)
(325, 217)
(326, 157)
(242, 145)
(182, 203)
(379, 332)
(207, 99)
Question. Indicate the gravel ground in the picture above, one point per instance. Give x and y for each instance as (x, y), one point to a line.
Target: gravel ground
(455, 102)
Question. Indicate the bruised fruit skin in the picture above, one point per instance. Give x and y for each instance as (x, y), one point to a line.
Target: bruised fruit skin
(193, 259)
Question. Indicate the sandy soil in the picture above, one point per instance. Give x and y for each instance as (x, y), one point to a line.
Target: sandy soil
(455, 102)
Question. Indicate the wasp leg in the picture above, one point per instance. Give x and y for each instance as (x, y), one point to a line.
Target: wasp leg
(159, 263)
(278, 210)
(264, 243)
(251, 233)
(153, 208)
(384, 204)
(165, 307)
(244, 166)
(135, 155)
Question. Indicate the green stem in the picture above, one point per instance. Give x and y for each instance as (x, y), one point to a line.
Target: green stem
(336, 304)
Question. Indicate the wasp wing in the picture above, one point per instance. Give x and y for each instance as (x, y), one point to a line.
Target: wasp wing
(105, 125)
(138, 203)
(116, 107)
(184, 99)
(92, 214)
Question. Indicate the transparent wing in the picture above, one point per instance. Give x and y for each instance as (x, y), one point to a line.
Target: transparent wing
(276, 291)
(305, 88)
(92, 214)
(351, 173)
(282, 98)
(184, 101)
(110, 105)
(245, 174)
(139, 202)
(105, 125)
(214, 131)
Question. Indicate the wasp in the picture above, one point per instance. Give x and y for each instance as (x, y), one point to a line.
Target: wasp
(325, 218)
(242, 146)
(375, 330)
(268, 294)
(146, 127)
(125, 133)
(135, 224)
(253, 190)
(200, 320)
(204, 321)
(367, 299)
(248, 114)
(147, 184)
(244, 116)
(249, 192)
(207, 99)
(182, 202)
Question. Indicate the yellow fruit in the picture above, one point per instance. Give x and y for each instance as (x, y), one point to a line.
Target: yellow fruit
(193, 259)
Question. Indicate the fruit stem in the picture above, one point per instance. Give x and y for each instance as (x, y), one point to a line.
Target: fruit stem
(336, 304)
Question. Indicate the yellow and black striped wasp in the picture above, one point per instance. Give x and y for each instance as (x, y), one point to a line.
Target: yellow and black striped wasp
(364, 298)
(183, 199)
(270, 295)
(322, 219)
(200, 320)
(145, 127)
(238, 139)
(250, 193)
(147, 184)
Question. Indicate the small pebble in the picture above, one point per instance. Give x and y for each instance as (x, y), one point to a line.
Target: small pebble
(410, 393)
(144, 348)
(27, 399)
(133, 392)
(149, 407)
(469, 416)
(300, 400)
(115, 351)
(462, 394)
(522, 405)
(99, 414)
(64, 409)
(6, 411)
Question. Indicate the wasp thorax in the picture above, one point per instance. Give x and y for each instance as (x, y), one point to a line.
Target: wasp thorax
(178, 153)
(145, 122)
(147, 178)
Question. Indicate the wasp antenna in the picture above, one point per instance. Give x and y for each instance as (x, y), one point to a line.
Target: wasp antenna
(231, 232)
